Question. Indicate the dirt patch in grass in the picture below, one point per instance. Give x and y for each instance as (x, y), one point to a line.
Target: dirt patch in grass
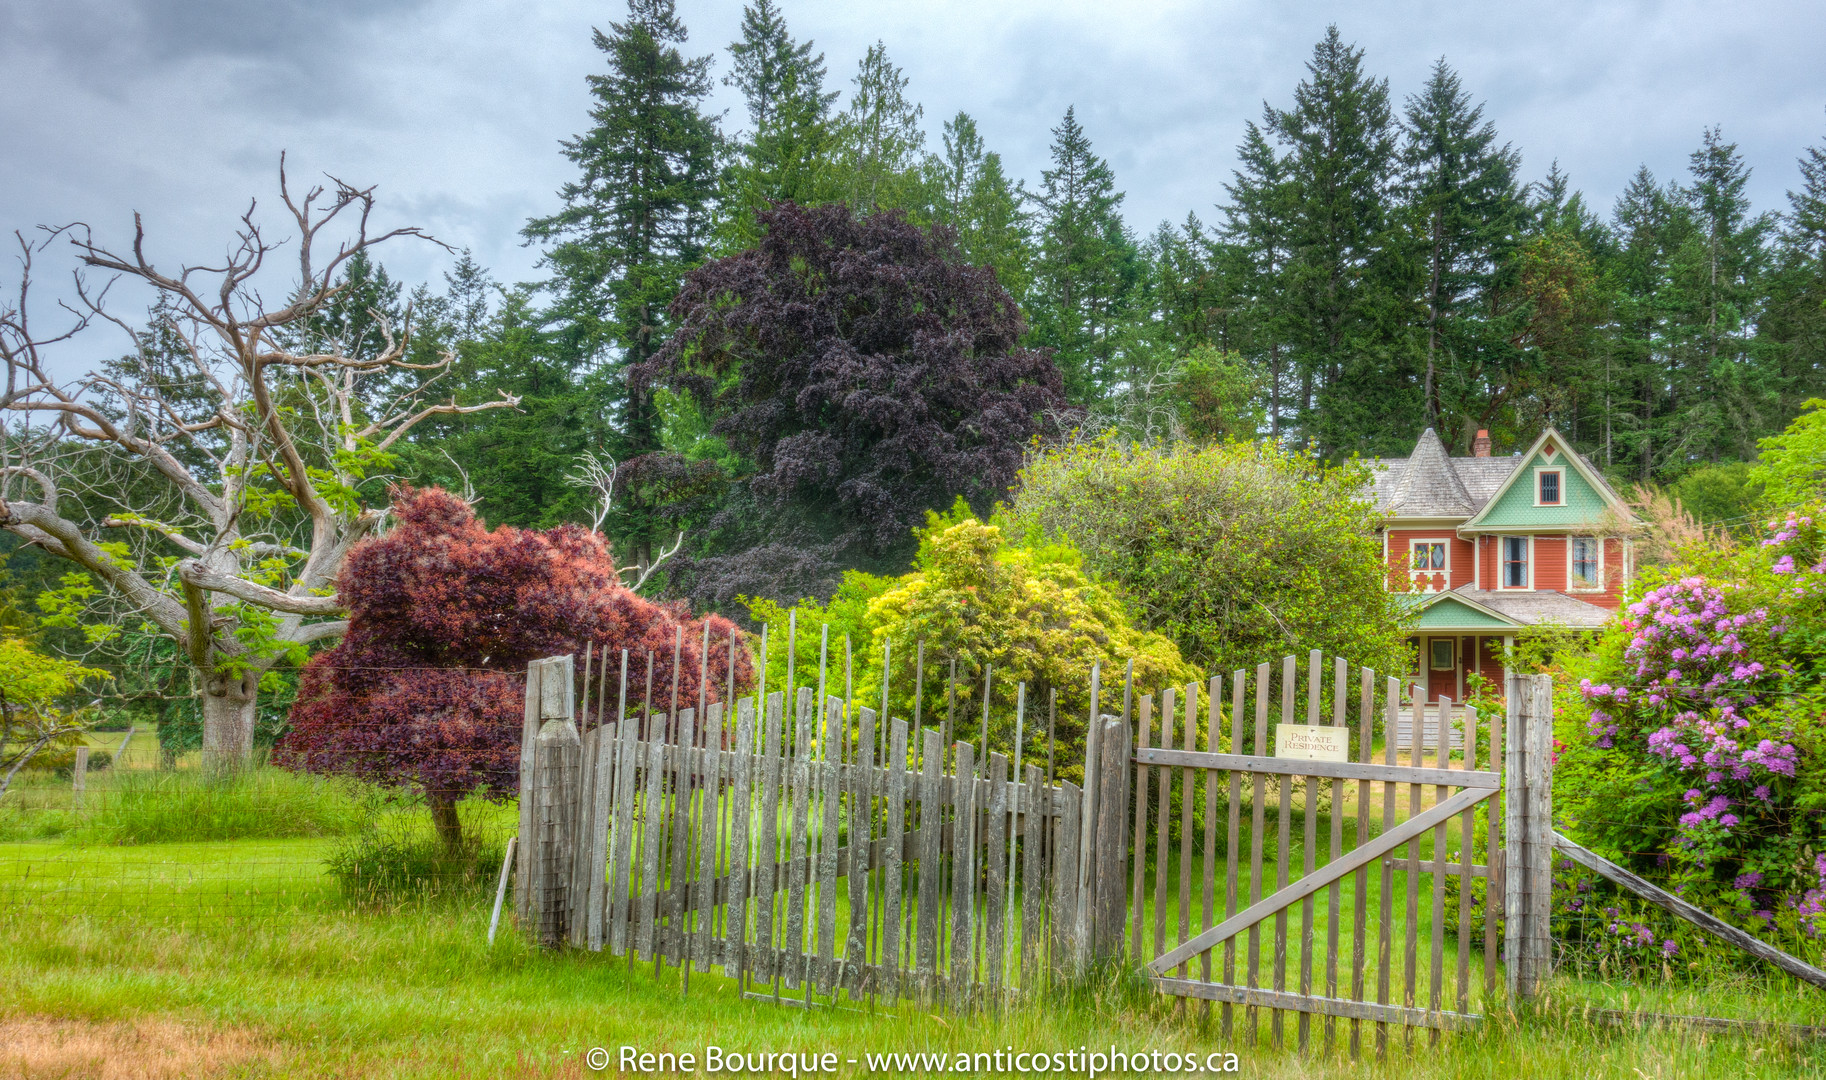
(38, 1047)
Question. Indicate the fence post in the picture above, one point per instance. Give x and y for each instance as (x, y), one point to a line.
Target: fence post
(1528, 829)
(79, 777)
(549, 850)
(1109, 900)
(529, 731)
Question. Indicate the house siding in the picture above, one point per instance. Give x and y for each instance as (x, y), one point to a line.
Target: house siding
(1612, 596)
(1550, 563)
(1459, 553)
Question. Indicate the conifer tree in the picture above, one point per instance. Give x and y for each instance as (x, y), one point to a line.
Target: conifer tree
(1343, 285)
(1086, 266)
(1258, 235)
(634, 220)
(784, 152)
(881, 140)
(1648, 226)
(1466, 213)
(973, 195)
(1794, 325)
(1726, 401)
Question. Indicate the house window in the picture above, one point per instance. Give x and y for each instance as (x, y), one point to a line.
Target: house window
(1441, 657)
(1585, 551)
(1515, 562)
(1429, 555)
(1549, 492)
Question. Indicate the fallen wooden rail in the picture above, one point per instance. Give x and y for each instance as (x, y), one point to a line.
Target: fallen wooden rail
(1674, 905)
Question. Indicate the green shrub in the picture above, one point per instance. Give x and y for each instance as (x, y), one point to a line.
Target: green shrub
(171, 807)
(381, 867)
(1240, 552)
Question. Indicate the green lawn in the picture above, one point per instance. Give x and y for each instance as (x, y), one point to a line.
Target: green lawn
(108, 947)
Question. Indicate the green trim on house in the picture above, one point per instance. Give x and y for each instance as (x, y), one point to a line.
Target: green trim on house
(1581, 505)
(1447, 613)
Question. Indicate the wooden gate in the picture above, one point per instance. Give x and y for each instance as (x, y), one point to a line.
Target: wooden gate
(1376, 909)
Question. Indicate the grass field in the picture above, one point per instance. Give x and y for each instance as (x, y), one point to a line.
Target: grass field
(242, 957)
(418, 993)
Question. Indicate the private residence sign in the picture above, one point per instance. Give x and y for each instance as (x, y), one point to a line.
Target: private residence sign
(1310, 742)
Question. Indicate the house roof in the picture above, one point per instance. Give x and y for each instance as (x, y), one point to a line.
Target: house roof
(1468, 608)
(1430, 483)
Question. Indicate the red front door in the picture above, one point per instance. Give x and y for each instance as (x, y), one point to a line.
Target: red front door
(1442, 659)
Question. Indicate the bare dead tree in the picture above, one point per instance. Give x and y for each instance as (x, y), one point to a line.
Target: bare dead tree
(596, 473)
(229, 490)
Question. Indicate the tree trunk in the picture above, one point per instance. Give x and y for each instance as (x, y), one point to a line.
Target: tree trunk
(444, 819)
(228, 723)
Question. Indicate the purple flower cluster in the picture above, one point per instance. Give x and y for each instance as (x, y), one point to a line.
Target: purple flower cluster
(1711, 810)
(1705, 664)
(1702, 680)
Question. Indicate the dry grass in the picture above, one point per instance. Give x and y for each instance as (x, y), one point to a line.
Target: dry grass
(33, 1047)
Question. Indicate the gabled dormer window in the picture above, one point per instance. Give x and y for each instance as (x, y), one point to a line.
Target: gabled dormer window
(1547, 487)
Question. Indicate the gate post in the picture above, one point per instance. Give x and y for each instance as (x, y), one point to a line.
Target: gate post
(1528, 831)
(1110, 860)
(550, 757)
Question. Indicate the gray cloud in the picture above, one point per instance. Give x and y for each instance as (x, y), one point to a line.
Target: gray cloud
(181, 107)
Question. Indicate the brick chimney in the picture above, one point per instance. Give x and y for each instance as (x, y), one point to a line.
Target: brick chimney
(1480, 446)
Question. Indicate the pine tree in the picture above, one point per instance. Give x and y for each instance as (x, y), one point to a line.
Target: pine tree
(636, 217)
(1343, 285)
(1465, 212)
(1087, 264)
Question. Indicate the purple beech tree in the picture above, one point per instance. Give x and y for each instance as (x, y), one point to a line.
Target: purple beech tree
(866, 370)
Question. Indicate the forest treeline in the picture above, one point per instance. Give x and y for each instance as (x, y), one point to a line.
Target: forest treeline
(1377, 263)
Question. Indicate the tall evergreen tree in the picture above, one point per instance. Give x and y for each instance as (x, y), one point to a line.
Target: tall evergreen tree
(773, 71)
(972, 194)
(1258, 237)
(1726, 401)
(1466, 214)
(1649, 229)
(881, 140)
(784, 152)
(635, 219)
(1794, 325)
(1343, 285)
(1086, 266)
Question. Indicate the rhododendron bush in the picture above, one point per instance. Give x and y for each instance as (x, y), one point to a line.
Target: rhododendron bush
(1693, 747)
(426, 690)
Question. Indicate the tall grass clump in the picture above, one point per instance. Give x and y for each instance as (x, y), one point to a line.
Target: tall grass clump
(384, 867)
(153, 807)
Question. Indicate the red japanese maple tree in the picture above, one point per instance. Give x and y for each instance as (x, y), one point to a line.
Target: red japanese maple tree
(426, 689)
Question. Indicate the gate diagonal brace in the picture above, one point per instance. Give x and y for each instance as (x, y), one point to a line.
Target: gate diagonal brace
(1331, 872)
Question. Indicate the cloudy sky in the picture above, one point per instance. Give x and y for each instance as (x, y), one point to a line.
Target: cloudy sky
(180, 108)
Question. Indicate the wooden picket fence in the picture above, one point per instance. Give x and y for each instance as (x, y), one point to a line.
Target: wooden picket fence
(812, 850)
(804, 856)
